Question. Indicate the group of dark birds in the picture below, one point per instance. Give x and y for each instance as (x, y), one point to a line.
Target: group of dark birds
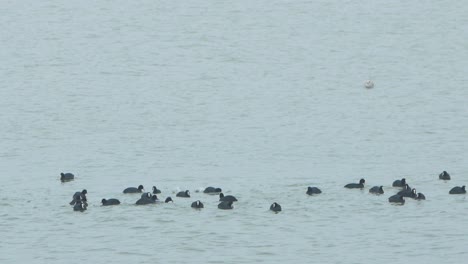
(407, 191)
(80, 203)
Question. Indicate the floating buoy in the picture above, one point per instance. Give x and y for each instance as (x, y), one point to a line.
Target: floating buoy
(369, 84)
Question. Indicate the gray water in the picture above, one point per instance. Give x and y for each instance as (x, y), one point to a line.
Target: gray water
(261, 98)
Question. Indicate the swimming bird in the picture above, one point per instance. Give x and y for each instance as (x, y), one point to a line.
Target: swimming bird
(145, 200)
(79, 197)
(406, 188)
(112, 201)
(66, 177)
(197, 204)
(275, 207)
(80, 206)
(156, 190)
(458, 190)
(225, 205)
(313, 190)
(408, 193)
(399, 183)
(185, 194)
(396, 199)
(146, 195)
(444, 176)
(420, 196)
(359, 185)
(140, 189)
(168, 199)
(212, 190)
(227, 198)
(376, 190)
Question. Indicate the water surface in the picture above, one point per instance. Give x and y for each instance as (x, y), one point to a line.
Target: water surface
(261, 98)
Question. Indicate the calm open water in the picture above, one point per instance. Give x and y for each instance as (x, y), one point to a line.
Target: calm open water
(261, 98)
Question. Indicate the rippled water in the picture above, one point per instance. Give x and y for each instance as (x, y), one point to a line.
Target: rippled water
(261, 98)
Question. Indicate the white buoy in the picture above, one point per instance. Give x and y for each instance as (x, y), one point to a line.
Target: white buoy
(369, 84)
